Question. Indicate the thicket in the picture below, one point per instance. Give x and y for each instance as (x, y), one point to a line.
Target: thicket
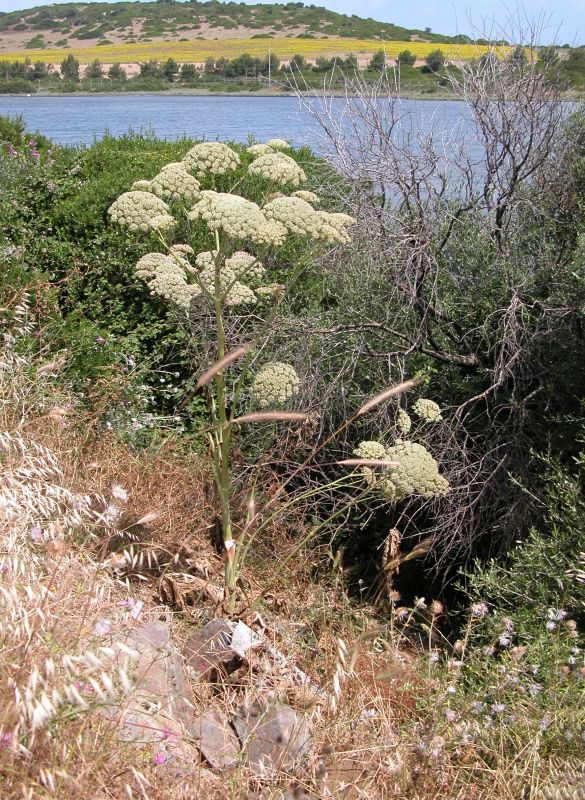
(466, 273)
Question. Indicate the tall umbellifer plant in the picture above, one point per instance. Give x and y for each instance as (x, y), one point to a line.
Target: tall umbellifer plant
(229, 275)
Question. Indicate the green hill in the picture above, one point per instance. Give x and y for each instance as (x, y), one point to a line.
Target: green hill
(137, 21)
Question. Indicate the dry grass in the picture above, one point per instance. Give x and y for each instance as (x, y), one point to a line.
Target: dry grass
(65, 501)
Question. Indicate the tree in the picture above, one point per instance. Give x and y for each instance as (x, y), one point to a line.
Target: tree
(274, 62)
(150, 69)
(298, 63)
(170, 70)
(117, 72)
(435, 60)
(548, 55)
(350, 63)
(70, 69)
(518, 57)
(94, 70)
(378, 61)
(406, 58)
(189, 73)
(39, 71)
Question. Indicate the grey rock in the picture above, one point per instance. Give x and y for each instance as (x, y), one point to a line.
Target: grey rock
(216, 739)
(273, 737)
(208, 651)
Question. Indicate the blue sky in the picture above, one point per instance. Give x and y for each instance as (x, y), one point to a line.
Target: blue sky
(564, 21)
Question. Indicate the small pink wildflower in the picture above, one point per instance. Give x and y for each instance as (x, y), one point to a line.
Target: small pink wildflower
(36, 533)
(159, 758)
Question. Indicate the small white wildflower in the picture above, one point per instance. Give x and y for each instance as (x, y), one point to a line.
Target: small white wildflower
(451, 690)
(102, 627)
(119, 493)
(498, 708)
(551, 625)
(275, 384)
(477, 707)
(504, 640)
(451, 715)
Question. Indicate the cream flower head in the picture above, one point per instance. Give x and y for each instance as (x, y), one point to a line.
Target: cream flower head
(276, 383)
(141, 211)
(238, 218)
(214, 158)
(278, 168)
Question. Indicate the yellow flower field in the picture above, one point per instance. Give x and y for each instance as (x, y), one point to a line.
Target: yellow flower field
(200, 49)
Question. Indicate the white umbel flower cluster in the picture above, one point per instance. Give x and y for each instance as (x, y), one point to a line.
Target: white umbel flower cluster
(257, 150)
(370, 450)
(300, 217)
(238, 218)
(141, 211)
(307, 196)
(403, 422)
(245, 265)
(417, 473)
(278, 168)
(214, 158)
(427, 410)
(278, 144)
(165, 276)
(231, 291)
(276, 383)
(174, 184)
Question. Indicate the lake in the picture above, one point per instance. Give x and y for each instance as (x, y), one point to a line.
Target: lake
(79, 120)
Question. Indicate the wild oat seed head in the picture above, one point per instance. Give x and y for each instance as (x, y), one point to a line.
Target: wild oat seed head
(274, 384)
(278, 168)
(427, 410)
(141, 211)
(214, 158)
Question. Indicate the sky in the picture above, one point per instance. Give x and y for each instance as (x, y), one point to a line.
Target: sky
(559, 21)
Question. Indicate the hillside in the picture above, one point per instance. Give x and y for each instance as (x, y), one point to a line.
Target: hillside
(81, 25)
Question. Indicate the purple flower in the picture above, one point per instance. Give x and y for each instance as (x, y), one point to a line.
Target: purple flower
(36, 533)
(5, 740)
(102, 627)
(159, 758)
(100, 340)
(479, 610)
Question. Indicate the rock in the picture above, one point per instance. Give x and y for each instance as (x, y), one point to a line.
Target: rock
(216, 740)
(244, 639)
(208, 651)
(344, 778)
(273, 737)
(157, 672)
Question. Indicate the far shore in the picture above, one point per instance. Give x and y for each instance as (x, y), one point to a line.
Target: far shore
(406, 95)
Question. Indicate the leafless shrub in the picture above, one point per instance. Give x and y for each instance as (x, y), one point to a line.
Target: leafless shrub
(453, 265)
